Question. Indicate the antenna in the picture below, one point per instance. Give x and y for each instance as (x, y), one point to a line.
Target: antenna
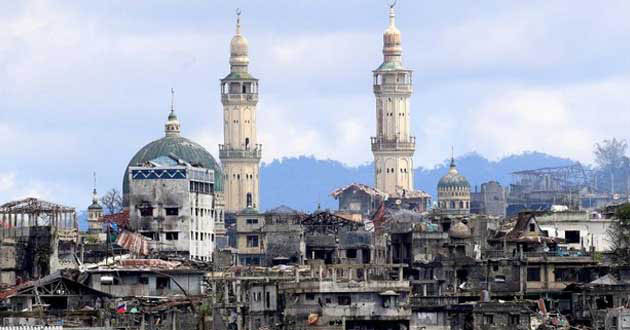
(94, 174)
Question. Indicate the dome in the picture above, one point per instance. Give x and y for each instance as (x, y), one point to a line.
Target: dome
(392, 49)
(453, 179)
(460, 230)
(239, 47)
(182, 148)
(174, 144)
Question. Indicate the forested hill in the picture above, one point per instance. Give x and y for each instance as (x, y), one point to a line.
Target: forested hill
(303, 182)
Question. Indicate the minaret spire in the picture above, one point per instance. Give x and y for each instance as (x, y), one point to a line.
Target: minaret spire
(238, 21)
(94, 195)
(392, 14)
(171, 128)
(172, 100)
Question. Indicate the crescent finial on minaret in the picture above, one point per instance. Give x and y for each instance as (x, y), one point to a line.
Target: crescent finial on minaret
(392, 4)
(238, 20)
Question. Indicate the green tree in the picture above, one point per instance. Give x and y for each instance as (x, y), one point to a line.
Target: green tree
(612, 165)
(619, 235)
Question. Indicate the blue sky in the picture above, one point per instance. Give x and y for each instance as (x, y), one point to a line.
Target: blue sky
(84, 84)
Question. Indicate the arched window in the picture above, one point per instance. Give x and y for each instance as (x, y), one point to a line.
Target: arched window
(461, 205)
(249, 199)
(452, 204)
(247, 143)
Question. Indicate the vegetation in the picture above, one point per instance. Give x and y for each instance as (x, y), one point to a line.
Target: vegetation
(613, 166)
(619, 235)
(112, 202)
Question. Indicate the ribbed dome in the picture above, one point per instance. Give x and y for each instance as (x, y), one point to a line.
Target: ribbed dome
(182, 148)
(460, 230)
(453, 179)
(239, 47)
(392, 49)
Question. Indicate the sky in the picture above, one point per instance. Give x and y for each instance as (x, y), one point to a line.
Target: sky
(85, 84)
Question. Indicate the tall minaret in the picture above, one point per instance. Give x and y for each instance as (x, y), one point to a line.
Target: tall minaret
(240, 154)
(393, 146)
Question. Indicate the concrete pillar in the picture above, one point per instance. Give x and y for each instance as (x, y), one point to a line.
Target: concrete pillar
(321, 271)
(334, 275)
(226, 299)
(214, 292)
(400, 273)
(238, 291)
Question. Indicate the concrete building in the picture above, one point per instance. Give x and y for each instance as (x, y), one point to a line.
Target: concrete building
(173, 190)
(581, 230)
(249, 237)
(489, 200)
(359, 198)
(453, 193)
(147, 277)
(240, 152)
(393, 146)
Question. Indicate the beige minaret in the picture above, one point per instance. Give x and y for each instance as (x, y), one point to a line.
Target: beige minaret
(240, 154)
(393, 146)
(95, 212)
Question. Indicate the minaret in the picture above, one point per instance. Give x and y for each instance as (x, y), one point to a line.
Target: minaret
(393, 146)
(172, 126)
(95, 212)
(240, 152)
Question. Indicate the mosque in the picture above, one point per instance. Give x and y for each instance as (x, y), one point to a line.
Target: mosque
(178, 195)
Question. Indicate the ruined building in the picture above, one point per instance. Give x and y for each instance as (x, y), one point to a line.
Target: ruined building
(489, 200)
(41, 237)
(240, 152)
(173, 188)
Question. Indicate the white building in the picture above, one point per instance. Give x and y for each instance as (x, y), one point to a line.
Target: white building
(240, 152)
(173, 189)
(580, 229)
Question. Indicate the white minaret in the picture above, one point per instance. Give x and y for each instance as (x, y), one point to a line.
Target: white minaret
(240, 154)
(393, 146)
(95, 212)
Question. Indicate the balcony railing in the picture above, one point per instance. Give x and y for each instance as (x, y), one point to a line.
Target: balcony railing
(432, 301)
(226, 152)
(393, 88)
(380, 143)
(251, 97)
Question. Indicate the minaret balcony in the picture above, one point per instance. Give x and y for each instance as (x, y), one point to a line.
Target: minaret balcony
(227, 151)
(240, 97)
(393, 88)
(382, 144)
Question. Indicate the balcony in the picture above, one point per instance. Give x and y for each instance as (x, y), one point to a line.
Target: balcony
(383, 144)
(226, 152)
(393, 88)
(433, 301)
(236, 98)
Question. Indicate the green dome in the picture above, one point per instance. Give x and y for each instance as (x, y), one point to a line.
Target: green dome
(180, 147)
(453, 179)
